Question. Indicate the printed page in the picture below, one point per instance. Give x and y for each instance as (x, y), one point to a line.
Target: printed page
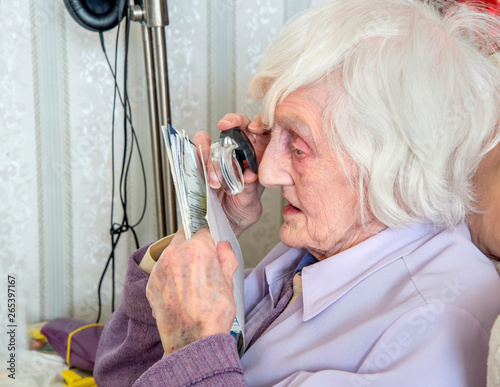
(172, 145)
(195, 187)
(188, 180)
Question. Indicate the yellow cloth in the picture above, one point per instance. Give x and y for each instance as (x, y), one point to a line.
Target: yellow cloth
(297, 288)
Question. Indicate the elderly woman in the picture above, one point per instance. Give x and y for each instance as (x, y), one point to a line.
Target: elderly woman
(376, 116)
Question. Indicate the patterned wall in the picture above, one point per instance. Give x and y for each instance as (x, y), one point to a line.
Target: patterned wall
(55, 122)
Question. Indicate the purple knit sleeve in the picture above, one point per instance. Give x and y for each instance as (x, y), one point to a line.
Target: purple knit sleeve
(212, 361)
(130, 342)
(130, 348)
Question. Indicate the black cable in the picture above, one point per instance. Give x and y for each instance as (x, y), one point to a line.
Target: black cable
(117, 229)
(114, 242)
(128, 117)
(111, 256)
(132, 129)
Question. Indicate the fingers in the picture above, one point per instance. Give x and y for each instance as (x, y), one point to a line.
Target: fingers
(256, 126)
(232, 120)
(179, 236)
(202, 238)
(203, 139)
(227, 261)
(257, 133)
(204, 241)
(260, 139)
(262, 135)
(252, 190)
(191, 291)
(243, 209)
(249, 176)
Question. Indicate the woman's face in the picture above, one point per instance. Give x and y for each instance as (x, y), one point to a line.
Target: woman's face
(322, 213)
(485, 227)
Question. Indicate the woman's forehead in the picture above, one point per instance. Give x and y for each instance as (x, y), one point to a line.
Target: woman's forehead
(303, 110)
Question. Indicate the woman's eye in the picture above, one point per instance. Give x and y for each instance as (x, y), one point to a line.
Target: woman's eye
(297, 151)
(298, 147)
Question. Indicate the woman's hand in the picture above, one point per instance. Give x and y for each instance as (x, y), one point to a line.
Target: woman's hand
(191, 290)
(245, 208)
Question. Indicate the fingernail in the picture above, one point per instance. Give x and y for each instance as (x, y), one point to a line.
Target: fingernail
(226, 119)
(213, 181)
(253, 179)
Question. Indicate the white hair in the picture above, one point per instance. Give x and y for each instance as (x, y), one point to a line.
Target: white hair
(414, 99)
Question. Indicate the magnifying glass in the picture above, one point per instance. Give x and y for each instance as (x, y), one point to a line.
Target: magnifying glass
(230, 156)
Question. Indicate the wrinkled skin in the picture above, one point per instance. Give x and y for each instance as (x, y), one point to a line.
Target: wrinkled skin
(190, 289)
(323, 212)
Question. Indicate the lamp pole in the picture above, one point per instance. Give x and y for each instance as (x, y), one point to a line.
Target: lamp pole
(153, 15)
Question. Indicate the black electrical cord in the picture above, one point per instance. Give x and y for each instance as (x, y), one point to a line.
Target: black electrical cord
(117, 229)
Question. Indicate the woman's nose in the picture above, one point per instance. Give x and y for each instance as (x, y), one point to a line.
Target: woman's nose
(275, 166)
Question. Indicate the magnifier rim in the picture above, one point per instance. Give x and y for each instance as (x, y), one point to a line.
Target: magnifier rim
(226, 166)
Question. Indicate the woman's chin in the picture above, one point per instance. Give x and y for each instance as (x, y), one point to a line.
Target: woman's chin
(290, 237)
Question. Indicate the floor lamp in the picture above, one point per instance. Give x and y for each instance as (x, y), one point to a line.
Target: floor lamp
(153, 15)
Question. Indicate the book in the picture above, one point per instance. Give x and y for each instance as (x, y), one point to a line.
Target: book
(199, 208)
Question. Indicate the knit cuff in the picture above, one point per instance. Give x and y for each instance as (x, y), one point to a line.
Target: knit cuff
(153, 253)
(134, 302)
(210, 357)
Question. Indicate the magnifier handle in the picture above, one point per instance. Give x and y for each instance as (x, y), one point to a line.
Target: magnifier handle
(245, 150)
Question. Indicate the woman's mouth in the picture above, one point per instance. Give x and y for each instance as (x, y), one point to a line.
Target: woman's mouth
(290, 210)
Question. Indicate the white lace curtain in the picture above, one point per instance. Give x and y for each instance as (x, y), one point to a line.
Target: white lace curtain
(56, 96)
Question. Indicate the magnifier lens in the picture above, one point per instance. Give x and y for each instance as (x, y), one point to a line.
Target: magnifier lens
(226, 165)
